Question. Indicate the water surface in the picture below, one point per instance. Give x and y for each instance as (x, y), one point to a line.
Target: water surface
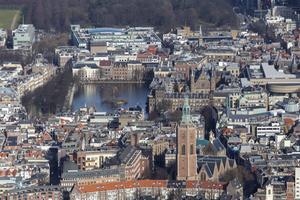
(102, 96)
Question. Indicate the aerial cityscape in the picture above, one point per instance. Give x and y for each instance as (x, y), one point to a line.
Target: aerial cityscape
(149, 99)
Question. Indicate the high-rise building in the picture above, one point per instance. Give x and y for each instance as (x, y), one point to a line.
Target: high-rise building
(186, 146)
(297, 183)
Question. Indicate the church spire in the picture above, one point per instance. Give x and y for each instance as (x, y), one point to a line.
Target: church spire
(186, 111)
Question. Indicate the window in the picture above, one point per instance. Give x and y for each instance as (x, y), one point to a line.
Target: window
(269, 192)
(203, 176)
(183, 149)
(192, 149)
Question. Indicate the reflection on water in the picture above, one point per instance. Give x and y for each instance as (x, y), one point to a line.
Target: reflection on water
(105, 96)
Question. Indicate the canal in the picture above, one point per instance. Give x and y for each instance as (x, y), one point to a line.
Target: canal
(107, 97)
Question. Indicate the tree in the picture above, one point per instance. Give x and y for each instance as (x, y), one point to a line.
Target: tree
(164, 106)
(38, 16)
(175, 116)
(48, 44)
(210, 116)
(16, 56)
(51, 97)
(153, 115)
(240, 172)
(59, 14)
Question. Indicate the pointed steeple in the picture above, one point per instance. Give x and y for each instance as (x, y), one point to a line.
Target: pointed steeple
(186, 111)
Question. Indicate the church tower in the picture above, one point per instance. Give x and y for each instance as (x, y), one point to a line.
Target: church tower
(186, 146)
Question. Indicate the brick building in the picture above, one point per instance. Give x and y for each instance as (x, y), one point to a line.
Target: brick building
(186, 146)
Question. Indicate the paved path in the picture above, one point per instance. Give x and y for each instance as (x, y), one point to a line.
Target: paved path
(14, 21)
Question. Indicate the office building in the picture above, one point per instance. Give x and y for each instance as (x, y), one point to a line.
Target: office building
(23, 37)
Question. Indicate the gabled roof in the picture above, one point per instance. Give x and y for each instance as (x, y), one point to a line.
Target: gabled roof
(209, 170)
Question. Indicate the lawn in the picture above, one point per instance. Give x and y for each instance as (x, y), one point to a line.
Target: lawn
(7, 18)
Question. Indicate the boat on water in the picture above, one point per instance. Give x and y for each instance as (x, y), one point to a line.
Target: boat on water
(121, 102)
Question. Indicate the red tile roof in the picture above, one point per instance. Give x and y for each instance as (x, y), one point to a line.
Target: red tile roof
(289, 122)
(147, 184)
(105, 63)
(206, 185)
(122, 185)
(4, 154)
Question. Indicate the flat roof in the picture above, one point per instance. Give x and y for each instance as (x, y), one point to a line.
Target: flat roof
(271, 72)
(105, 30)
